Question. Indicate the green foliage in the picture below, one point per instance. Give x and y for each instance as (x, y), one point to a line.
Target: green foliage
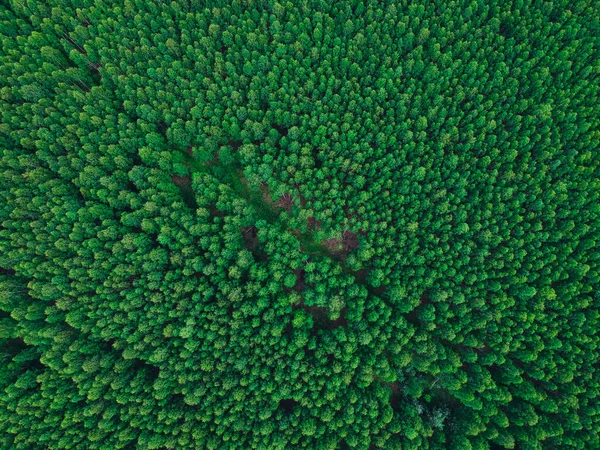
(307, 224)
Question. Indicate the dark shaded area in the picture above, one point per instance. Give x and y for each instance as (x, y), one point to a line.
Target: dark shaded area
(151, 372)
(413, 316)
(282, 130)
(26, 355)
(505, 30)
(289, 329)
(234, 144)
(321, 318)
(378, 291)
(339, 322)
(361, 275)
(108, 345)
(250, 238)
(253, 245)
(14, 346)
(349, 241)
(396, 396)
(300, 280)
(215, 212)
(316, 159)
(161, 127)
(34, 364)
(185, 186)
(287, 404)
(313, 224)
(7, 272)
(131, 186)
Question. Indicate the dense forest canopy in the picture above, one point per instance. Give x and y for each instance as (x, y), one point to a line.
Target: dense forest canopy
(272, 225)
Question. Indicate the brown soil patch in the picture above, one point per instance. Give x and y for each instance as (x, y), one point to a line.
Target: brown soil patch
(182, 182)
(285, 201)
(300, 281)
(313, 224)
(349, 241)
(250, 237)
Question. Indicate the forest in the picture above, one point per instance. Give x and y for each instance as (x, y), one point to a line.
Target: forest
(260, 224)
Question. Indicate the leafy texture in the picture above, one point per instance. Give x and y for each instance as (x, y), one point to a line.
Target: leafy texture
(311, 224)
